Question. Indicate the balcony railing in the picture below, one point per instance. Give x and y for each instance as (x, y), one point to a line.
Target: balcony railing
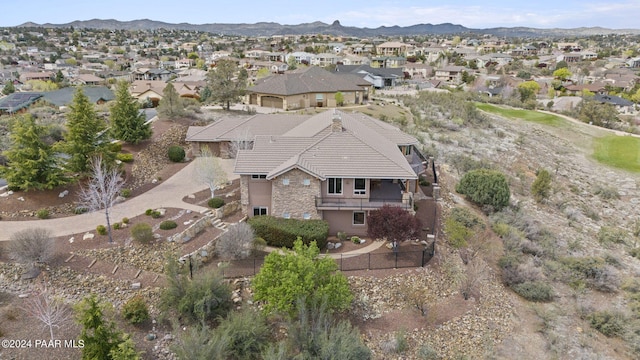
(329, 203)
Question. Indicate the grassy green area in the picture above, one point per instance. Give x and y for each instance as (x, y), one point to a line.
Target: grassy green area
(622, 152)
(528, 115)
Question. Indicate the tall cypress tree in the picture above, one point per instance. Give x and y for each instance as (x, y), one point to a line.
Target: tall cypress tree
(32, 162)
(85, 136)
(127, 122)
(171, 105)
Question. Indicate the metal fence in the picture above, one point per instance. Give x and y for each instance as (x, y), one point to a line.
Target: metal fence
(367, 261)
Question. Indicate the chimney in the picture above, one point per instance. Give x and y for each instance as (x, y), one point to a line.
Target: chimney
(336, 123)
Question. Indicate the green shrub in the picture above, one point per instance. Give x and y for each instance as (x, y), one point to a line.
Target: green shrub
(501, 229)
(215, 202)
(537, 291)
(342, 236)
(541, 186)
(355, 240)
(80, 210)
(101, 230)
(148, 212)
(117, 226)
(135, 310)
(610, 235)
(176, 153)
(466, 217)
(125, 220)
(607, 192)
(124, 157)
(125, 193)
(42, 214)
(280, 232)
(608, 323)
(156, 214)
(168, 225)
(423, 181)
(115, 147)
(142, 233)
(485, 187)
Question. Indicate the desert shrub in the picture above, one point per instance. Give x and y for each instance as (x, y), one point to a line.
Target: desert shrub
(426, 352)
(341, 235)
(135, 310)
(148, 212)
(42, 214)
(156, 214)
(466, 217)
(607, 192)
(203, 299)
(501, 229)
(125, 193)
(125, 220)
(537, 291)
(101, 230)
(635, 252)
(215, 202)
(80, 210)
(237, 242)
(423, 181)
(258, 245)
(609, 235)
(115, 147)
(355, 239)
(280, 232)
(32, 245)
(608, 323)
(514, 272)
(168, 225)
(176, 153)
(199, 342)
(117, 226)
(247, 332)
(464, 163)
(541, 186)
(124, 157)
(457, 233)
(485, 187)
(142, 233)
(594, 271)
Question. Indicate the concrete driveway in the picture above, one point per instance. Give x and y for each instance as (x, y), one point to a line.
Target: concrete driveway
(168, 193)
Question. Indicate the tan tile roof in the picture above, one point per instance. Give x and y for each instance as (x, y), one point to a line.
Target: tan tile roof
(232, 128)
(304, 81)
(362, 149)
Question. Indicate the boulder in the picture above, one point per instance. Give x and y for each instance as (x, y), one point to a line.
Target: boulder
(88, 236)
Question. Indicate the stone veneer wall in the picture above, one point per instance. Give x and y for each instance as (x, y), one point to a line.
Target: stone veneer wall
(244, 193)
(295, 198)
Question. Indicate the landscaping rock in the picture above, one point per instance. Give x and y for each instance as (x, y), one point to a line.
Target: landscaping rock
(88, 236)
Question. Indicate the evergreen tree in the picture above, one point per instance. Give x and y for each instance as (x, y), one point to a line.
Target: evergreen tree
(85, 130)
(32, 162)
(127, 122)
(171, 105)
(101, 338)
(8, 88)
(225, 85)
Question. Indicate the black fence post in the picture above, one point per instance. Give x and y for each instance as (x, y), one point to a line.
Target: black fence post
(396, 256)
(423, 251)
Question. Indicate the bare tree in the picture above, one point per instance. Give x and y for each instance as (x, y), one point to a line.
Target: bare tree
(237, 242)
(102, 189)
(243, 141)
(52, 312)
(32, 245)
(209, 171)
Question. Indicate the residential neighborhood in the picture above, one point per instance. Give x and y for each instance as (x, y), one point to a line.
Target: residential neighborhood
(302, 195)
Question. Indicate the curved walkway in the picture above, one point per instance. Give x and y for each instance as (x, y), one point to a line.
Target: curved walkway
(364, 250)
(167, 194)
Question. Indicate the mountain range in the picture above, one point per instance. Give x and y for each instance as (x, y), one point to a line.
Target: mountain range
(336, 29)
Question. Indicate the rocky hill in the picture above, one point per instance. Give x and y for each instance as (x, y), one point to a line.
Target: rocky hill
(271, 28)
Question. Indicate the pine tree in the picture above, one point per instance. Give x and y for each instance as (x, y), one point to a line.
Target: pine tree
(32, 162)
(85, 130)
(225, 85)
(100, 336)
(8, 88)
(127, 122)
(171, 105)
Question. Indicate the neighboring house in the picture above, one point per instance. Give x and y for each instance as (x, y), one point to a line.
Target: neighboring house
(86, 79)
(325, 59)
(596, 88)
(393, 48)
(570, 58)
(634, 62)
(44, 76)
(388, 62)
(333, 166)
(623, 106)
(152, 74)
(378, 77)
(147, 90)
(63, 97)
(304, 88)
(450, 74)
(18, 102)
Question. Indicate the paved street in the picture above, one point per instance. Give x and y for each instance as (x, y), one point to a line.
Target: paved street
(167, 194)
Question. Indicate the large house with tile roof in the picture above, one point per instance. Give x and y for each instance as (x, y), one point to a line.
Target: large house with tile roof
(307, 87)
(334, 166)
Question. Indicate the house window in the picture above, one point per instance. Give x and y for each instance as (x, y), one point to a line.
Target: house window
(256, 176)
(334, 186)
(306, 216)
(306, 182)
(360, 186)
(358, 218)
(285, 181)
(259, 210)
(286, 215)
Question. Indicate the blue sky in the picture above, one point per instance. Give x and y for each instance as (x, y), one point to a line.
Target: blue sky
(614, 14)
